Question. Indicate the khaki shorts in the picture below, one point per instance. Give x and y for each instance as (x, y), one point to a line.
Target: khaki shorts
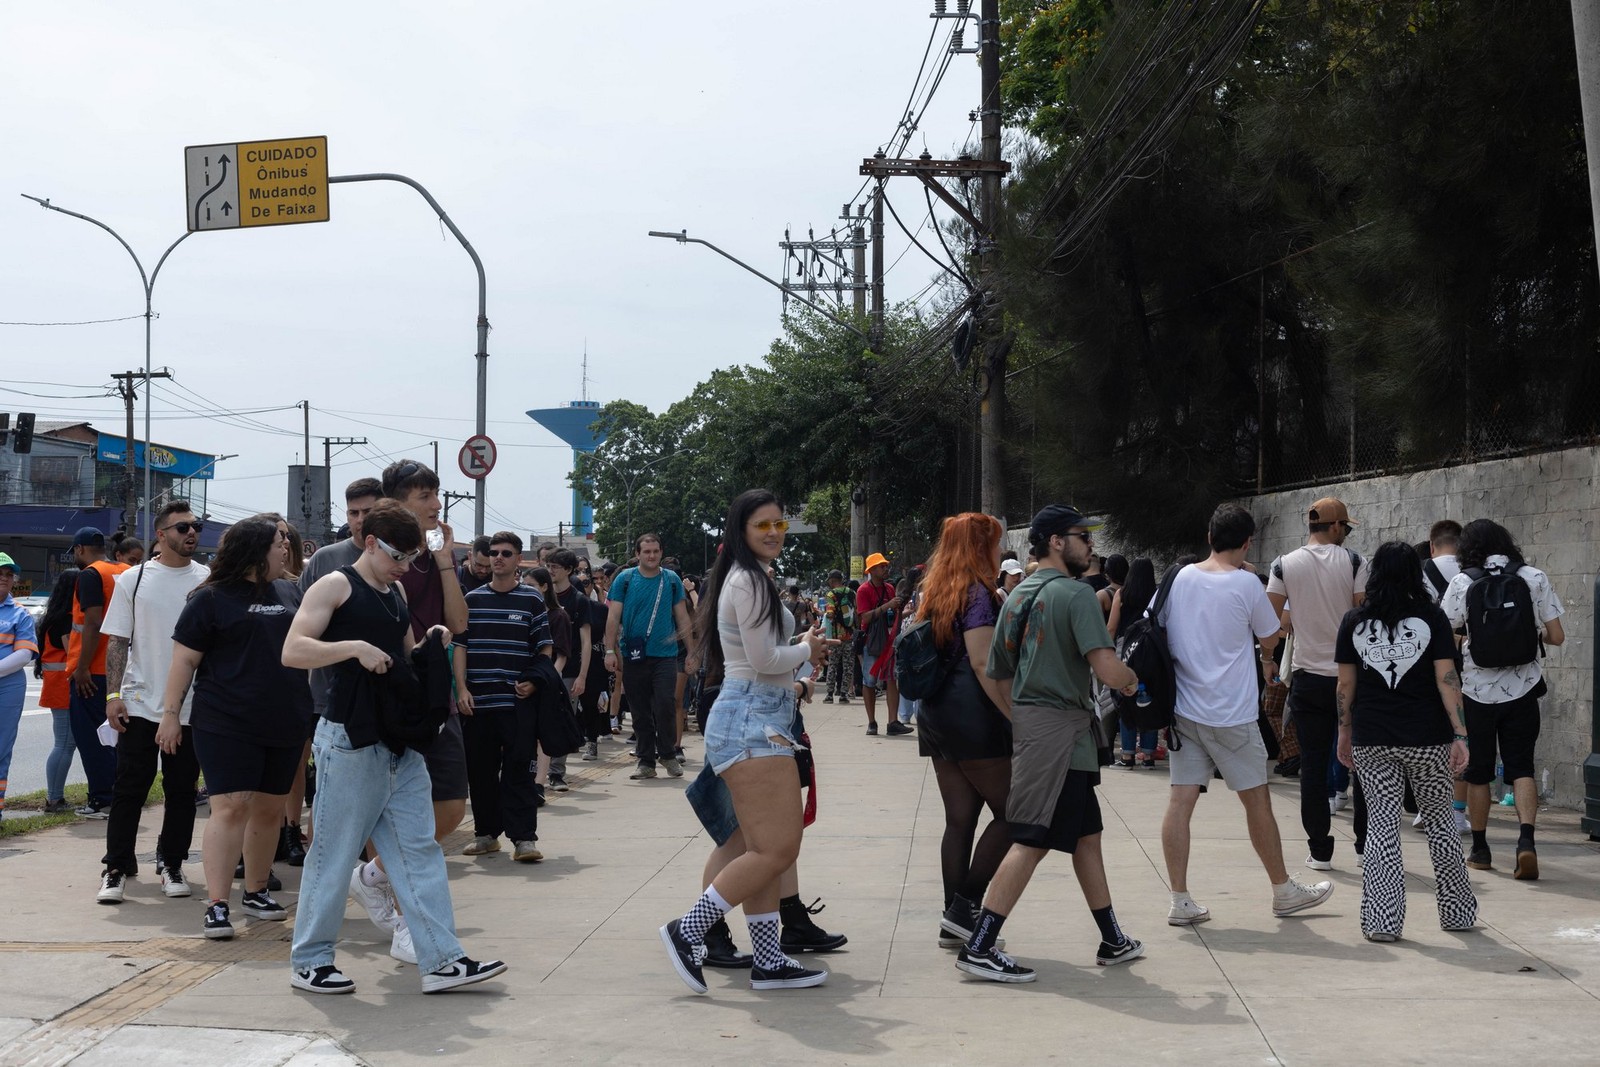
(1237, 751)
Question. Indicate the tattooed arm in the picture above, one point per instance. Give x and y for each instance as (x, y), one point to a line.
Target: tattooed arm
(116, 665)
(1449, 682)
(1345, 698)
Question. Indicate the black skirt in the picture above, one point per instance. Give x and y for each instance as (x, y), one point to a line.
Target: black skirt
(960, 722)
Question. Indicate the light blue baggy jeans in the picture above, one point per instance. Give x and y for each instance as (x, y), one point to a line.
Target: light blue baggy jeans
(372, 793)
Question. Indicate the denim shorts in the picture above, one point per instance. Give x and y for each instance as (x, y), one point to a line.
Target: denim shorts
(749, 720)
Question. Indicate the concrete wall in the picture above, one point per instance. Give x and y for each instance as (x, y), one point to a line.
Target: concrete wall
(1550, 504)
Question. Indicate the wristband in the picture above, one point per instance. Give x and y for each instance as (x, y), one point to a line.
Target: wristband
(1461, 737)
(114, 696)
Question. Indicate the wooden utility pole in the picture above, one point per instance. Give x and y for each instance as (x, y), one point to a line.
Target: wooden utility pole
(128, 392)
(991, 346)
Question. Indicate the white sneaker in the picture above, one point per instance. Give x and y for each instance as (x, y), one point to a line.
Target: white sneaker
(173, 884)
(376, 899)
(110, 888)
(1319, 865)
(1337, 802)
(1187, 913)
(400, 946)
(1460, 817)
(1293, 896)
(1420, 822)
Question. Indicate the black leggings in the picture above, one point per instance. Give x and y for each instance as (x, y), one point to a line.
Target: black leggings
(966, 786)
(595, 723)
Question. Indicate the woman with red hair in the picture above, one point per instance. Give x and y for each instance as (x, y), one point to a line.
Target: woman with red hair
(964, 725)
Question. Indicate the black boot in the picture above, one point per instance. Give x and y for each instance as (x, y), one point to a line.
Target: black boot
(722, 952)
(297, 846)
(800, 934)
(283, 844)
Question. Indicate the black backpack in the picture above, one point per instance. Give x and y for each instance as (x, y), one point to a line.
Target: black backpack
(1501, 627)
(1146, 653)
(919, 669)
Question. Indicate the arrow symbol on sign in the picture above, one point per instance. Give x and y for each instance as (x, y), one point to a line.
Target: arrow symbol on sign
(222, 159)
(227, 208)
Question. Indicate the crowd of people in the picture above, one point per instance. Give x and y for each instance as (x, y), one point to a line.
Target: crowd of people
(391, 682)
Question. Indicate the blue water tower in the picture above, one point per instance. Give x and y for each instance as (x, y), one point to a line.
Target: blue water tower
(573, 422)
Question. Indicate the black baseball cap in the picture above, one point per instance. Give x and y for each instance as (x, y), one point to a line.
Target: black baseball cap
(1057, 519)
(90, 536)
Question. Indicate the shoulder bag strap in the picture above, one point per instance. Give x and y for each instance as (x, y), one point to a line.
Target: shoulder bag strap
(651, 625)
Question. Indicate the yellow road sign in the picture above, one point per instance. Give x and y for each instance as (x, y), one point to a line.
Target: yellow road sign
(257, 183)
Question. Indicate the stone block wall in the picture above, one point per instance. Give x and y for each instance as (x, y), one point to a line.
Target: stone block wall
(1550, 504)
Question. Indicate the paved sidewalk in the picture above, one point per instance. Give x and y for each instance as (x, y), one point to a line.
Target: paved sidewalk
(589, 981)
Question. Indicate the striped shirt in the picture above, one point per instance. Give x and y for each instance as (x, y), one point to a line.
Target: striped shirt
(504, 632)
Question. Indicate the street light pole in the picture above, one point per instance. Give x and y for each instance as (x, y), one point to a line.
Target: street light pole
(149, 284)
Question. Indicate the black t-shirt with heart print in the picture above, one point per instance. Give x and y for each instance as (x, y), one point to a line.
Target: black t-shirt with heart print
(1397, 697)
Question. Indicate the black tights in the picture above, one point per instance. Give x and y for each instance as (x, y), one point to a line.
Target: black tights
(966, 786)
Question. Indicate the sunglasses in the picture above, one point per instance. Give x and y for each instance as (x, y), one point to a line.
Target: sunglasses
(1088, 538)
(502, 553)
(768, 525)
(185, 527)
(394, 553)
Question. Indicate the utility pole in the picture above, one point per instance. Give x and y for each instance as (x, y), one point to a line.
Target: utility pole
(991, 346)
(858, 235)
(815, 260)
(436, 457)
(128, 392)
(328, 444)
(450, 498)
(877, 262)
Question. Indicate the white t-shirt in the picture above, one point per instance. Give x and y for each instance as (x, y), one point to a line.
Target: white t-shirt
(1500, 685)
(1448, 569)
(1322, 581)
(150, 620)
(1212, 620)
(751, 648)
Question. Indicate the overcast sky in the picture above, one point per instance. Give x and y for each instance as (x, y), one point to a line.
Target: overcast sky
(554, 135)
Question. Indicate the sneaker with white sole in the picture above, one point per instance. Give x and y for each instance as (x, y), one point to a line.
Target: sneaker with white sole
(1337, 802)
(526, 852)
(173, 883)
(1420, 822)
(673, 767)
(787, 975)
(461, 972)
(1187, 913)
(1293, 896)
(591, 752)
(376, 899)
(216, 926)
(400, 946)
(957, 923)
(1460, 819)
(1319, 865)
(262, 906)
(481, 846)
(558, 783)
(324, 979)
(993, 966)
(111, 887)
(686, 958)
(644, 771)
(1109, 955)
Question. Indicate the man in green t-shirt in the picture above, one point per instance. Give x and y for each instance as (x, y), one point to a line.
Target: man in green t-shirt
(1049, 636)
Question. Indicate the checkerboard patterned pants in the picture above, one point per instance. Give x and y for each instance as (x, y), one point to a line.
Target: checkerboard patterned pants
(1384, 770)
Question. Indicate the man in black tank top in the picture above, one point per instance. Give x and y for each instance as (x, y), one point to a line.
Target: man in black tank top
(356, 622)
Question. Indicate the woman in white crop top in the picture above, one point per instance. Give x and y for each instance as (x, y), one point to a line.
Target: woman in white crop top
(743, 631)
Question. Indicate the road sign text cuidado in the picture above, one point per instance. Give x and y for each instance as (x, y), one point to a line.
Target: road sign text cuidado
(257, 183)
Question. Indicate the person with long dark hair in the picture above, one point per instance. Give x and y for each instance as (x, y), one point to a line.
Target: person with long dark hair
(743, 637)
(250, 713)
(55, 628)
(1400, 722)
(1500, 684)
(966, 722)
(1128, 606)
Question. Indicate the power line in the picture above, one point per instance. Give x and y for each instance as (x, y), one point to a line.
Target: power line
(79, 322)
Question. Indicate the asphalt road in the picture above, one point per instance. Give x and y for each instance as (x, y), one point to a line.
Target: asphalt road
(35, 738)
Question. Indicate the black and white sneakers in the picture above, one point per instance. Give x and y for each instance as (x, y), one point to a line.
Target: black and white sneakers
(686, 958)
(993, 966)
(173, 883)
(111, 887)
(1108, 954)
(462, 972)
(262, 906)
(324, 979)
(217, 927)
(788, 975)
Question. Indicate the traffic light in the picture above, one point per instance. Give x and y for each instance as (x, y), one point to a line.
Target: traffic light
(22, 441)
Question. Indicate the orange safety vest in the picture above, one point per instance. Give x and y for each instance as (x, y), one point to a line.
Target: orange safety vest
(108, 572)
(55, 693)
